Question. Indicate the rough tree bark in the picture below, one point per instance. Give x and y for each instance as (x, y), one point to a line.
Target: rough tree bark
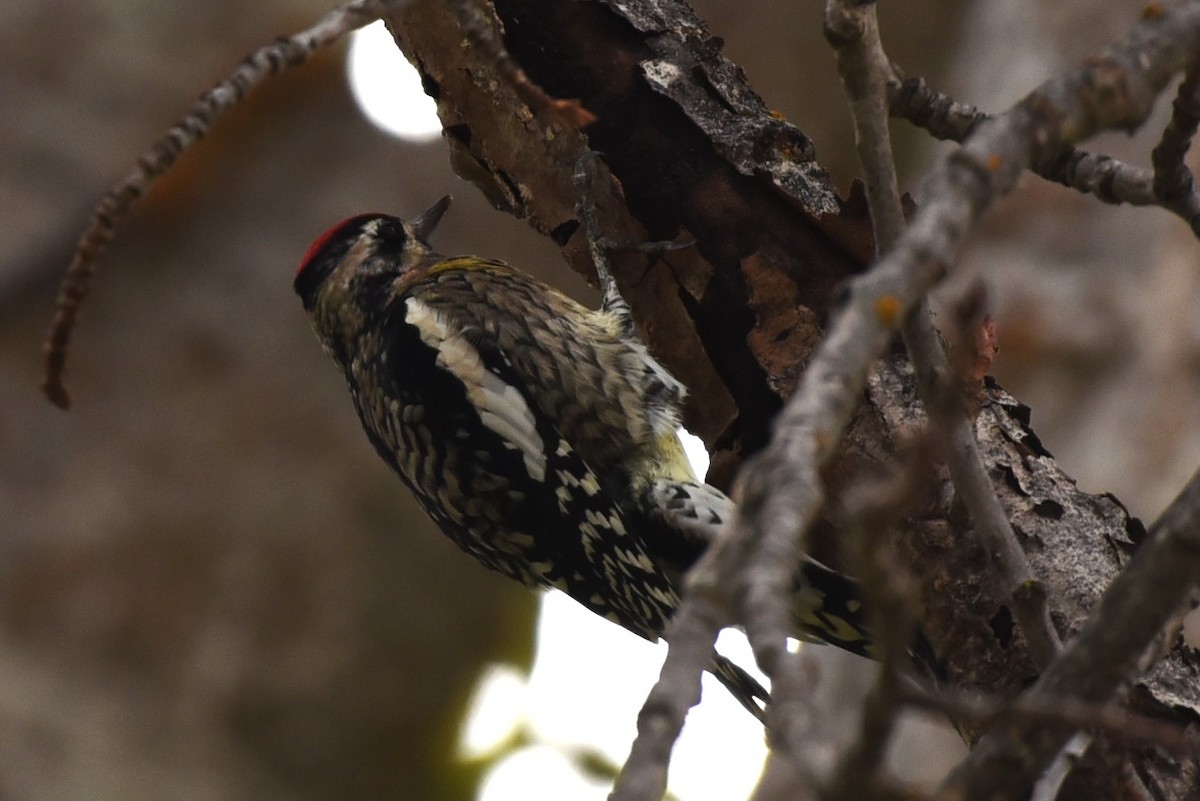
(695, 153)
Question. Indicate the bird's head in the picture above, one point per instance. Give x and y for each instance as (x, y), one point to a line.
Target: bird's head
(358, 263)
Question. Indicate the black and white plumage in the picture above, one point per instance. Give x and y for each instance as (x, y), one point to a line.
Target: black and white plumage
(538, 434)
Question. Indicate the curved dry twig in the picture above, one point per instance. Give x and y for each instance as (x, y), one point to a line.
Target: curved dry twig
(110, 212)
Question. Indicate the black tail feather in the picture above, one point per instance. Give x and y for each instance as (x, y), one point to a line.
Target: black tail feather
(744, 687)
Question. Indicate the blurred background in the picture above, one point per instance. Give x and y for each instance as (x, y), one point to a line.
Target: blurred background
(211, 588)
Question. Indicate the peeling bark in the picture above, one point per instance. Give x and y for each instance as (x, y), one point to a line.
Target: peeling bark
(697, 155)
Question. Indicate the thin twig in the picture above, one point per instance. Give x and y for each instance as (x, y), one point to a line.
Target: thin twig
(1174, 185)
(865, 71)
(800, 758)
(914, 100)
(691, 633)
(1115, 91)
(872, 509)
(863, 66)
(1070, 713)
(1108, 179)
(973, 486)
(114, 207)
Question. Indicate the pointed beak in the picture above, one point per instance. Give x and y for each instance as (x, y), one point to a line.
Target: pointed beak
(424, 223)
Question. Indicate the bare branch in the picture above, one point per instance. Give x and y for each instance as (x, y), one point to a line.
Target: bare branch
(864, 67)
(1169, 185)
(111, 211)
(990, 523)
(1108, 179)
(865, 71)
(1071, 713)
(854, 34)
(1173, 183)
(691, 634)
(939, 114)
(1114, 91)
(799, 760)
(889, 595)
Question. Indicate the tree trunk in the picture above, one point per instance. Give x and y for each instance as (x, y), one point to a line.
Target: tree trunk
(696, 154)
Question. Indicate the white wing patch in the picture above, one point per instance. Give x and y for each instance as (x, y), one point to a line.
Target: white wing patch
(501, 406)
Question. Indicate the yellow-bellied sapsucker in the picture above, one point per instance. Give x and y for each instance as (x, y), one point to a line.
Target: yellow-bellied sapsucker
(540, 435)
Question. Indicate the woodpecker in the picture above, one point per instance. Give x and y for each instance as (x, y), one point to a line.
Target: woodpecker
(538, 434)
